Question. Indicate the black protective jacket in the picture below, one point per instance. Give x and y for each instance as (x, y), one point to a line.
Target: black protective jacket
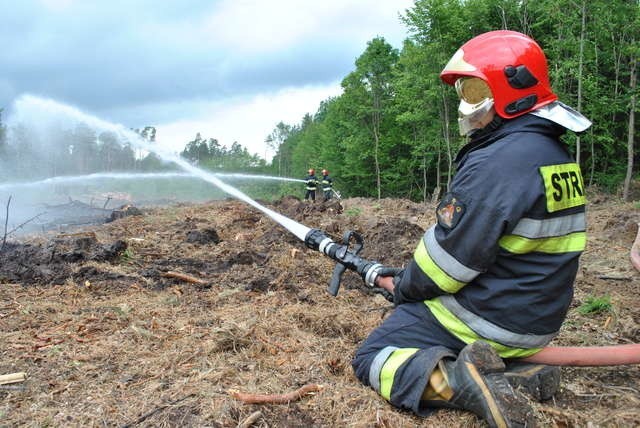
(311, 182)
(501, 260)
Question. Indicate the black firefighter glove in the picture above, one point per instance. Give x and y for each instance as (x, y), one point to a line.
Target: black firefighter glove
(387, 271)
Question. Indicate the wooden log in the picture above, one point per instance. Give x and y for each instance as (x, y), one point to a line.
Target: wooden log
(13, 378)
(184, 277)
(276, 398)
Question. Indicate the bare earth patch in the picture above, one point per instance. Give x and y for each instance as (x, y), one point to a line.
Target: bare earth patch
(108, 339)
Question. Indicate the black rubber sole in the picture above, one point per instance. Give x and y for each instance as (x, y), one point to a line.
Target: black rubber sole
(538, 380)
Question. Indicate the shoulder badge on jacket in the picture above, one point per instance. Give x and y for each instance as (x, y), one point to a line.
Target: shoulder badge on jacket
(449, 212)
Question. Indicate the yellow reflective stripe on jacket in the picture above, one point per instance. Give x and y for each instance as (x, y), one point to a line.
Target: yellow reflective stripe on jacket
(465, 334)
(445, 261)
(433, 271)
(390, 367)
(554, 245)
(564, 187)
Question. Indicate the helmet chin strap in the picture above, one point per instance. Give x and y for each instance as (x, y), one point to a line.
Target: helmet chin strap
(495, 123)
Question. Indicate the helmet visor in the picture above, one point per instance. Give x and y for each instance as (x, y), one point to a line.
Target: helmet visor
(472, 90)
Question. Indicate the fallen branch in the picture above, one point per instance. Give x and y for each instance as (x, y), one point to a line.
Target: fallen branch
(154, 411)
(250, 420)
(12, 231)
(13, 378)
(45, 343)
(565, 415)
(615, 278)
(184, 277)
(296, 395)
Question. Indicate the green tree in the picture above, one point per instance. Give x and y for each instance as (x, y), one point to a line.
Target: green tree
(277, 137)
(393, 128)
(148, 133)
(109, 150)
(196, 150)
(590, 51)
(369, 89)
(84, 150)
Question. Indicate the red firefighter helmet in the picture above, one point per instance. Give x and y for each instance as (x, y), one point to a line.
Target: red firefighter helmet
(513, 66)
(325, 172)
(312, 171)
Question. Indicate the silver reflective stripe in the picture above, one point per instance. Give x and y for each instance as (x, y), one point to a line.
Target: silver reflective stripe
(376, 366)
(559, 226)
(490, 331)
(446, 261)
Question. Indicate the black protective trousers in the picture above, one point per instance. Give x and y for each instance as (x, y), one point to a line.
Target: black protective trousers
(411, 325)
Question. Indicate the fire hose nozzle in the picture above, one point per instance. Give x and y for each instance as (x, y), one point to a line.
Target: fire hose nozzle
(317, 240)
(347, 258)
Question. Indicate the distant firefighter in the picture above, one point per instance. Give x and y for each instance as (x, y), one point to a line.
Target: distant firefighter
(327, 184)
(312, 184)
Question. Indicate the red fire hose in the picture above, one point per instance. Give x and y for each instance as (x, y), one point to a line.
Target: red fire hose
(587, 356)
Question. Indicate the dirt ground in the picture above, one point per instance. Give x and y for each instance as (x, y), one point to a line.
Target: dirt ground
(108, 337)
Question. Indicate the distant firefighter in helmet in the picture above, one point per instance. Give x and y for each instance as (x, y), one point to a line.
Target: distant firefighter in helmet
(493, 277)
(327, 184)
(311, 183)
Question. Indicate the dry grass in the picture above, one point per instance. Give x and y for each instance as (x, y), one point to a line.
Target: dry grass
(124, 345)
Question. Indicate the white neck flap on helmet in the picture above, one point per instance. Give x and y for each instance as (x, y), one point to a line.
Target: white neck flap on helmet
(563, 115)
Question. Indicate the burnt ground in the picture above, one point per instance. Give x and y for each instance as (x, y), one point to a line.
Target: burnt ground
(108, 338)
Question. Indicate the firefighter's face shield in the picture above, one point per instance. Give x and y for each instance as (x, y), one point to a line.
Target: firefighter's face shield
(476, 104)
(472, 90)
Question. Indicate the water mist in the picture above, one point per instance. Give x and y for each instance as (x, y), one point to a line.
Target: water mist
(48, 114)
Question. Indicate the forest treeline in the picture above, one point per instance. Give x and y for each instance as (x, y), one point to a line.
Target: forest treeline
(34, 153)
(393, 130)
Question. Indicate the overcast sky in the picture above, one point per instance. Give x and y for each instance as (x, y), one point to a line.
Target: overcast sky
(229, 69)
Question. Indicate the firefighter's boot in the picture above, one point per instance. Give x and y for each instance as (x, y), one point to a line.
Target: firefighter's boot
(538, 380)
(477, 382)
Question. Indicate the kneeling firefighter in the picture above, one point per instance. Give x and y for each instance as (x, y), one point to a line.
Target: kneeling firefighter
(493, 278)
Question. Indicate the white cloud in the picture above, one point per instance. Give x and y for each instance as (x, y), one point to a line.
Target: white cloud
(277, 24)
(229, 69)
(246, 120)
